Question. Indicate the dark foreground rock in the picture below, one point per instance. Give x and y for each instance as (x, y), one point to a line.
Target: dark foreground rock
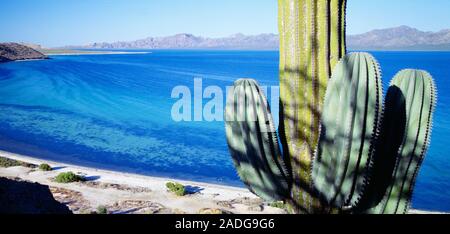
(23, 197)
(14, 51)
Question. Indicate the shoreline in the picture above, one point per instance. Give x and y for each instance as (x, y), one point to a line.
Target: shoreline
(95, 53)
(122, 174)
(29, 60)
(140, 189)
(207, 196)
(78, 53)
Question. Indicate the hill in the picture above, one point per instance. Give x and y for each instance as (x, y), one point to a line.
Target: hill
(14, 51)
(400, 38)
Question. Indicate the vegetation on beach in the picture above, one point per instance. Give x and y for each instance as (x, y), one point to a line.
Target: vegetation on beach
(68, 177)
(343, 150)
(67, 51)
(59, 51)
(102, 210)
(176, 188)
(45, 167)
(278, 204)
(7, 162)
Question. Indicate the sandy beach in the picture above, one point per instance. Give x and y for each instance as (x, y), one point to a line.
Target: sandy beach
(126, 193)
(123, 193)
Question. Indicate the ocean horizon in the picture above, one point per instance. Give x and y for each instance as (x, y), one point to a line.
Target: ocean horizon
(114, 112)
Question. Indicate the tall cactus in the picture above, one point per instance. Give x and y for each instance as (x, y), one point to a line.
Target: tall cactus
(366, 157)
(312, 40)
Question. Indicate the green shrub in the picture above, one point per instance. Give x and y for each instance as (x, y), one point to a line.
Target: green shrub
(68, 177)
(176, 188)
(278, 204)
(45, 167)
(102, 210)
(6, 162)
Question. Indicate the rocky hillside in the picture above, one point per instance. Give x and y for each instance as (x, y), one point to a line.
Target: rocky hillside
(400, 38)
(14, 51)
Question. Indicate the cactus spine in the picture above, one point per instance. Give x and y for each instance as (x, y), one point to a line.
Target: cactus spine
(312, 40)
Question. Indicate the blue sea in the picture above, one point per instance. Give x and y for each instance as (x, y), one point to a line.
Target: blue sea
(114, 112)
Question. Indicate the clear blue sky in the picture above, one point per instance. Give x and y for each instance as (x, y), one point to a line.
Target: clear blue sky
(75, 22)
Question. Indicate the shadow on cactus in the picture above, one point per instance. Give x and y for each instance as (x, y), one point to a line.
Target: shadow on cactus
(367, 157)
(406, 132)
(253, 142)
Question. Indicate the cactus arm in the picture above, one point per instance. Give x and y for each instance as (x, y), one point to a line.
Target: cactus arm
(350, 122)
(311, 42)
(253, 142)
(416, 95)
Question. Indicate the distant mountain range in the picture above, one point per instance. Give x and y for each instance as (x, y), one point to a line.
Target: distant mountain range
(189, 41)
(399, 38)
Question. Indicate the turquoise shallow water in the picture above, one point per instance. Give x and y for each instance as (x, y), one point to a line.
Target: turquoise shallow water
(114, 112)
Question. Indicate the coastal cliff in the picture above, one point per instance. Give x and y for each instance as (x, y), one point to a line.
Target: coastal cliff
(14, 51)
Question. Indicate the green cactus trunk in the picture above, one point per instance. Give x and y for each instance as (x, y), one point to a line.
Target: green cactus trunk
(312, 40)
